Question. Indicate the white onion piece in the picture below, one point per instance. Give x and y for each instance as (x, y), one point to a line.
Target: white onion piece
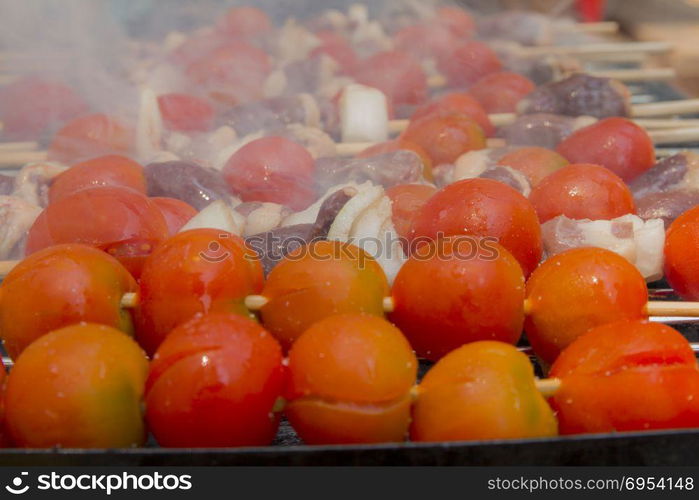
(341, 227)
(363, 114)
(149, 129)
(16, 217)
(217, 215)
(32, 180)
(310, 214)
(265, 218)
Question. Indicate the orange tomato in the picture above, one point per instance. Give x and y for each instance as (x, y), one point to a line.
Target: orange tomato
(406, 202)
(196, 271)
(457, 291)
(176, 212)
(319, 280)
(78, 387)
(582, 191)
(616, 143)
(109, 170)
(681, 257)
(89, 136)
(629, 375)
(186, 113)
(534, 162)
(59, 286)
(445, 137)
(577, 290)
(350, 381)
(460, 103)
(483, 390)
(213, 382)
(501, 92)
(483, 208)
(468, 62)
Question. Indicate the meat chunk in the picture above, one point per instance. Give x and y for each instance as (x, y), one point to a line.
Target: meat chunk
(578, 95)
(273, 113)
(680, 171)
(542, 129)
(387, 169)
(484, 164)
(666, 205)
(186, 181)
(16, 218)
(7, 185)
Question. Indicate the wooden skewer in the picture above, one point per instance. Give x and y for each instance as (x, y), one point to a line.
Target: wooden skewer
(548, 386)
(602, 27)
(665, 108)
(11, 159)
(675, 136)
(593, 49)
(6, 266)
(18, 146)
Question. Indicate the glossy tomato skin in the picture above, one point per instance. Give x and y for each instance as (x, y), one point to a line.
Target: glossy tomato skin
(467, 63)
(577, 290)
(456, 291)
(196, 271)
(214, 382)
(109, 170)
(501, 92)
(32, 105)
(406, 202)
(534, 162)
(176, 212)
(457, 102)
(397, 74)
(273, 169)
(117, 220)
(319, 280)
(186, 113)
(681, 258)
(445, 137)
(629, 375)
(483, 390)
(459, 22)
(616, 143)
(78, 387)
(582, 191)
(67, 284)
(89, 136)
(333, 396)
(397, 145)
(483, 208)
(245, 22)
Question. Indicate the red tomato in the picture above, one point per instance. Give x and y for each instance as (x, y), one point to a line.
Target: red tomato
(445, 137)
(483, 390)
(401, 144)
(681, 256)
(501, 92)
(459, 22)
(245, 22)
(232, 73)
(582, 192)
(534, 162)
(425, 39)
(483, 208)
(627, 376)
(31, 105)
(89, 136)
(456, 102)
(78, 387)
(350, 381)
(68, 284)
(396, 74)
(467, 63)
(338, 48)
(120, 221)
(616, 143)
(186, 113)
(455, 291)
(176, 212)
(104, 171)
(197, 271)
(213, 382)
(406, 202)
(272, 169)
(576, 290)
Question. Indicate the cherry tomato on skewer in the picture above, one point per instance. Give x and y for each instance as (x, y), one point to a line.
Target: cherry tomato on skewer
(483, 208)
(425, 39)
(534, 162)
(455, 291)
(109, 170)
(459, 22)
(186, 113)
(196, 271)
(483, 390)
(272, 169)
(467, 63)
(90, 136)
(616, 143)
(582, 191)
(456, 102)
(681, 256)
(445, 137)
(78, 387)
(214, 382)
(406, 202)
(630, 375)
(176, 212)
(68, 284)
(350, 381)
(396, 74)
(319, 280)
(501, 92)
(577, 290)
(120, 221)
